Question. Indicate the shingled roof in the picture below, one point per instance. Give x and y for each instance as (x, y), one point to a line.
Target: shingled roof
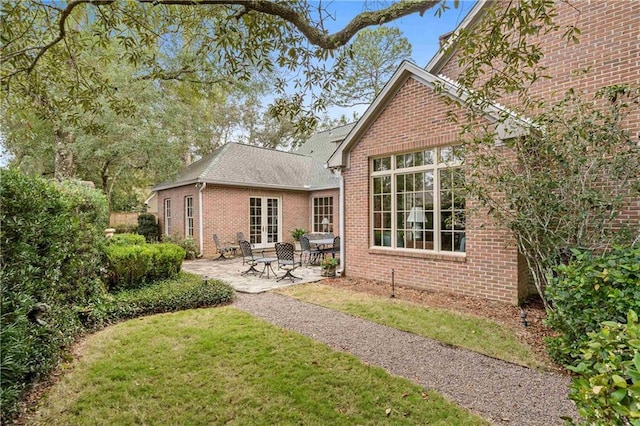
(321, 145)
(248, 165)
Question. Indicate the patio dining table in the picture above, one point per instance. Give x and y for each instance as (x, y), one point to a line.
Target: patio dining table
(267, 265)
(322, 241)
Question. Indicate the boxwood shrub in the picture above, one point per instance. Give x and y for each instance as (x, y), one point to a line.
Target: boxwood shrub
(133, 266)
(127, 239)
(589, 290)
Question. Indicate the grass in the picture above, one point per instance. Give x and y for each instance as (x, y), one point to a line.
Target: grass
(213, 366)
(474, 333)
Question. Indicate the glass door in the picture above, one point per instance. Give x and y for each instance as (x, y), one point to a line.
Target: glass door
(264, 221)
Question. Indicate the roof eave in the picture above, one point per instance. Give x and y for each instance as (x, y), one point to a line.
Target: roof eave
(492, 112)
(305, 188)
(405, 71)
(339, 157)
(443, 55)
(164, 186)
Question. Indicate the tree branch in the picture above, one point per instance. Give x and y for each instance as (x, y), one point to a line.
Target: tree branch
(61, 27)
(301, 21)
(310, 31)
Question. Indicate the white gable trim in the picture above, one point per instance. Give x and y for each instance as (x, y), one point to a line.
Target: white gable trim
(443, 55)
(510, 127)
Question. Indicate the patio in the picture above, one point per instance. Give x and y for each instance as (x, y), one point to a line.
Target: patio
(230, 271)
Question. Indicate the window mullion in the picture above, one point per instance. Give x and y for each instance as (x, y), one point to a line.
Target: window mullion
(436, 203)
(394, 209)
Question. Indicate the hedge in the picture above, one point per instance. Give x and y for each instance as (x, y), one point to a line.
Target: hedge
(133, 266)
(185, 291)
(51, 238)
(51, 278)
(127, 239)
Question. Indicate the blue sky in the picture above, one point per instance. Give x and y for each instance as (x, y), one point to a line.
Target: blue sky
(423, 32)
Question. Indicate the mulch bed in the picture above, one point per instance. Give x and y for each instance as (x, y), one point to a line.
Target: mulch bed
(503, 313)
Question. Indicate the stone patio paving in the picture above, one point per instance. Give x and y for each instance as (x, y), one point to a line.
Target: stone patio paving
(230, 271)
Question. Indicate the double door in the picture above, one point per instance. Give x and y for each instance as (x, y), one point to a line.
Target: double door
(264, 221)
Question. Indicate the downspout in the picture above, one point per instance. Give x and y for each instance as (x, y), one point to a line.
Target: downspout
(340, 270)
(201, 186)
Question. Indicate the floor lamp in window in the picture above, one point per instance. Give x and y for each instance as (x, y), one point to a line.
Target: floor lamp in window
(416, 218)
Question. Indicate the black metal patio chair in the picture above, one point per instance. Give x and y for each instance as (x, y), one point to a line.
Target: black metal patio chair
(285, 252)
(222, 250)
(333, 249)
(312, 254)
(249, 258)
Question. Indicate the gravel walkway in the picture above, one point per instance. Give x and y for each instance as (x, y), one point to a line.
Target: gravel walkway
(502, 393)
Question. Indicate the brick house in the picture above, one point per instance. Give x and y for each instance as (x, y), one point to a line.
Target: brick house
(401, 169)
(263, 193)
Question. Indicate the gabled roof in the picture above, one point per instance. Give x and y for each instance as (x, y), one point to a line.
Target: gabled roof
(321, 145)
(447, 50)
(247, 165)
(494, 112)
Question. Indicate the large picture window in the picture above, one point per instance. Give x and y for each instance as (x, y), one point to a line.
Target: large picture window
(323, 214)
(167, 216)
(418, 200)
(188, 216)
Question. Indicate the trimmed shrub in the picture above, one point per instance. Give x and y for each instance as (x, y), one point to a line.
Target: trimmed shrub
(51, 239)
(133, 266)
(124, 228)
(185, 291)
(588, 291)
(607, 388)
(167, 261)
(148, 226)
(127, 239)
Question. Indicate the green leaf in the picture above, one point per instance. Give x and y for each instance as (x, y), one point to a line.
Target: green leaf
(618, 395)
(619, 381)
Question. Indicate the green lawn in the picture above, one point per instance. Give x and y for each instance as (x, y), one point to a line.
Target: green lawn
(474, 333)
(220, 365)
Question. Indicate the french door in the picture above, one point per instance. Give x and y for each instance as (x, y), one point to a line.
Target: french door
(264, 221)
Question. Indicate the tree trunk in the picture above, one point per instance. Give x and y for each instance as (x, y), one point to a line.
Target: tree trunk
(65, 167)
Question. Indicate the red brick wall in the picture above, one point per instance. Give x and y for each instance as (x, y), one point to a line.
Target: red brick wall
(415, 119)
(609, 46)
(177, 196)
(226, 211)
(335, 220)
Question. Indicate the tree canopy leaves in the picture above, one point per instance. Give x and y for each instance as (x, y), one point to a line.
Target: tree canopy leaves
(369, 62)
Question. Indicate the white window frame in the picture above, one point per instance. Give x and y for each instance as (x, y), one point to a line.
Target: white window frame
(325, 204)
(392, 170)
(261, 233)
(167, 216)
(188, 216)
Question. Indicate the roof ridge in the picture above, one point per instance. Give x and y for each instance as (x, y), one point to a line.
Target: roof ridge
(337, 127)
(266, 148)
(216, 155)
